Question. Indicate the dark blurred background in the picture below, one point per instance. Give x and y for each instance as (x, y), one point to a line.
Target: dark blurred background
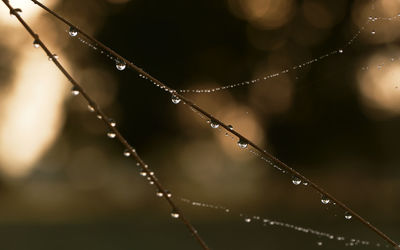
(65, 185)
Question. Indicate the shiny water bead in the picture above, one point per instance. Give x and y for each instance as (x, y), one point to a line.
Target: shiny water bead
(75, 91)
(373, 32)
(175, 99)
(143, 172)
(347, 215)
(169, 195)
(112, 122)
(99, 117)
(230, 127)
(54, 56)
(159, 193)
(325, 200)
(242, 143)
(214, 124)
(248, 220)
(36, 44)
(127, 153)
(175, 214)
(340, 51)
(111, 134)
(296, 180)
(120, 65)
(73, 31)
(90, 108)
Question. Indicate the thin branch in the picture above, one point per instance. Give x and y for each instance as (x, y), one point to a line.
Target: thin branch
(110, 125)
(225, 126)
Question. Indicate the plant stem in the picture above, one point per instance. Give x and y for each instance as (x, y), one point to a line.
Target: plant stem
(107, 122)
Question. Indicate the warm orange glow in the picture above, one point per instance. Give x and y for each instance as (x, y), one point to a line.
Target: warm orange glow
(29, 11)
(31, 112)
(379, 85)
(317, 14)
(266, 14)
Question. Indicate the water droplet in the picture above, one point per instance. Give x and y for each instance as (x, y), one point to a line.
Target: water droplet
(36, 44)
(75, 91)
(214, 124)
(143, 173)
(120, 65)
(319, 243)
(242, 143)
(90, 108)
(248, 220)
(51, 58)
(305, 183)
(169, 195)
(230, 127)
(159, 193)
(175, 214)
(296, 180)
(340, 51)
(175, 99)
(347, 215)
(373, 32)
(127, 153)
(73, 31)
(325, 200)
(112, 122)
(111, 134)
(99, 117)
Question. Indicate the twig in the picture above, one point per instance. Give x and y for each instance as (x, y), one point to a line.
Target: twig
(110, 125)
(226, 127)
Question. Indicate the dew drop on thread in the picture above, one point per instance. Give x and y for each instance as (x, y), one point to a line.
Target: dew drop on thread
(72, 31)
(296, 180)
(127, 153)
(120, 65)
(111, 134)
(36, 44)
(214, 124)
(112, 122)
(90, 108)
(242, 143)
(175, 214)
(175, 99)
(325, 200)
(347, 216)
(75, 91)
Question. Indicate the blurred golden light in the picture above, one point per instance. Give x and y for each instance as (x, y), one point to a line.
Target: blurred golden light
(31, 111)
(317, 14)
(29, 11)
(385, 31)
(266, 14)
(379, 85)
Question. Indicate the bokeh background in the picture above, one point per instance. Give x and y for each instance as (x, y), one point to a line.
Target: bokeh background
(65, 185)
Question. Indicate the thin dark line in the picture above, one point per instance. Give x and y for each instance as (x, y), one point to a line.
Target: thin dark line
(226, 127)
(106, 120)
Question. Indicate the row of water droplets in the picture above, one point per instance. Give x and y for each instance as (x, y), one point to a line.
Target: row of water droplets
(243, 144)
(296, 67)
(347, 241)
(75, 91)
(121, 65)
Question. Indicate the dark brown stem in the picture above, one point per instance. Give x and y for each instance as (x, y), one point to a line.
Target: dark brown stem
(107, 122)
(226, 127)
